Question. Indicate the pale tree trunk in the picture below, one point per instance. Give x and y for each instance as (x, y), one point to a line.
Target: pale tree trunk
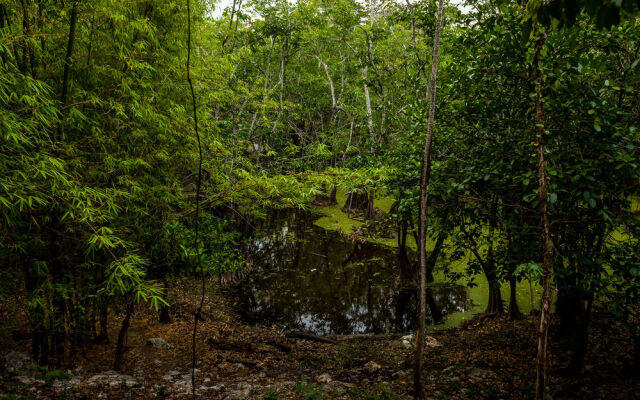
(283, 66)
(420, 63)
(266, 85)
(335, 102)
(424, 191)
(545, 235)
(367, 101)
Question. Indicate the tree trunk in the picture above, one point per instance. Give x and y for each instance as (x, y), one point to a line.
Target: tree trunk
(70, 43)
(635, 366)
(371, 212)
(357, 202)
(165, 314)
(407, 270)
(574, 368)
(325, 198)
(545, 236)
(569, 308)
(433, 257)
(28, 55)
(495, 305)
(531, 295)
(367, 101)
(422, 228)
(514, 311)
(122, 336)
(436, 311)
(103, 334)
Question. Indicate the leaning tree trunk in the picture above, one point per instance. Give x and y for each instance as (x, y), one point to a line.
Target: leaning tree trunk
(545, 236)
(122, 336)
(407, 270)
(422, 229)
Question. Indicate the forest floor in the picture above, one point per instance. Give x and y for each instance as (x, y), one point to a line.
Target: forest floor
(491, 358)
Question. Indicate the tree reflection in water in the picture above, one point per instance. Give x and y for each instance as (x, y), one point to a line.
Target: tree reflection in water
(308, 278)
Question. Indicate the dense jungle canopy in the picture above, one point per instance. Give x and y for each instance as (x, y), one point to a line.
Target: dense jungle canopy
(150, 149)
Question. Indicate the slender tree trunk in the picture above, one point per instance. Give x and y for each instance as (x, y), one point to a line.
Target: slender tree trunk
(122, 336)
(233, 11)
(514, 311)
(194, 107)
(70, 43)
(433, 257)
(424, 191)
(28, 56)
(545, 236)
(531, 295)
(635, 366)
(3, 22)
(283, 67)
(436, 311)
(266, 85)
(165, 312)
(494, 306)
(367, 102)
(577, 357)
(103, 335)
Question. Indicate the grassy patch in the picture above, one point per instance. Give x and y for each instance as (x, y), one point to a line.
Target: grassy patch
(333, 218)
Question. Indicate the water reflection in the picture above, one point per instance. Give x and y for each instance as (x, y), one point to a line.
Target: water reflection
(307, 278)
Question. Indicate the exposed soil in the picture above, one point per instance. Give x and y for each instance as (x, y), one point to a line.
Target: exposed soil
(491, 358)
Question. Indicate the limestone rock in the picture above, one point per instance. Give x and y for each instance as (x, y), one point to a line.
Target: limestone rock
(432, 342)
(339, 387)
(112, 379)
(239, 391)
(408, 341)
(324, 378)
(159, 343)
(18, 363)
(401, 374)
(371, 367)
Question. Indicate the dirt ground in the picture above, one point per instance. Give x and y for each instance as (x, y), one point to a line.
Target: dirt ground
(485, 359)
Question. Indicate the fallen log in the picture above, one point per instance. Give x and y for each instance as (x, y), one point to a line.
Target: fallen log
(310, 336)
(284, 347)
(242, 347)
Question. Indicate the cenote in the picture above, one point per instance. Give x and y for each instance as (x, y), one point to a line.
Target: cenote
(305, 277)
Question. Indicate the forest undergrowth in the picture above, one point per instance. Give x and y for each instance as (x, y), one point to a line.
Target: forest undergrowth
(485, 358)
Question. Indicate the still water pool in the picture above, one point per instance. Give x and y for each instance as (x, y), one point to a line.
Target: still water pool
(312, 279)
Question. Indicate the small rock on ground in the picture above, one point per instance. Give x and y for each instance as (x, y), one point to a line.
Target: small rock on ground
(159, 343)
(18, 363)
(324, 378)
